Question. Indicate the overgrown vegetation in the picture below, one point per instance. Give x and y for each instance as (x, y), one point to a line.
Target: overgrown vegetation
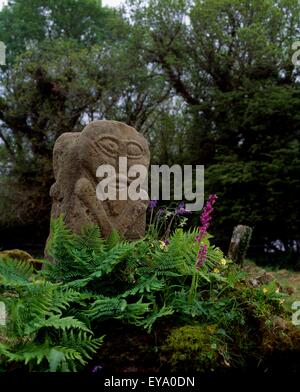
(208, 82)
(203, 319)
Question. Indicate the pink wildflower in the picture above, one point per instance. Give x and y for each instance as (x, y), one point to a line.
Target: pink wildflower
(205, 219)
(201, 256)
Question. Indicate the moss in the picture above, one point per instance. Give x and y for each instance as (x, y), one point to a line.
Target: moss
(17, 254)
(262, 326)
(279, 335)
(194, 348)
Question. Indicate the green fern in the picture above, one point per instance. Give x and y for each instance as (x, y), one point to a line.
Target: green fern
(74, 350)
(148, 322)
(104, 307)
(135, 312)
(38, 321)
(15, 272)
(90, 280)
(145, 285)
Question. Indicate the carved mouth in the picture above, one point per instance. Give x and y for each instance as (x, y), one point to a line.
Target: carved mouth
(121, 181)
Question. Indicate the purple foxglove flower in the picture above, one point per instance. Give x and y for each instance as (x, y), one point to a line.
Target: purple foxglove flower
(206, 216)
(201, 256)
(205, 219)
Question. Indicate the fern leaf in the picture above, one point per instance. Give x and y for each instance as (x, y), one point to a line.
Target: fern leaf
(14, 273)
(145, 285)
(149, 321)
(56, 322)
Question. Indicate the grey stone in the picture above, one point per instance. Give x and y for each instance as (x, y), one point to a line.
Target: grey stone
(76, 157)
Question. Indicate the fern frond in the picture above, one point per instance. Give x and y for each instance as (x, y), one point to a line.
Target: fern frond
(14, 273)
(55, 322)
(90, 239)
(82, 342)
(30, 353)
(61, 240)
(105, 307)
(65, 296)
(134, 312)
(113, 239)
(145, 285)
(105, 264)
(78, 347)
(148, 322)
(74, 349)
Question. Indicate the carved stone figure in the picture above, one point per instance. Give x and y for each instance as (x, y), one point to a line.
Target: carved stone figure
(76, 157)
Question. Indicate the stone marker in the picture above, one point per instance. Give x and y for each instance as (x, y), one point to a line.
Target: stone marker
(239, 243)
(76, 157)
(2, 314)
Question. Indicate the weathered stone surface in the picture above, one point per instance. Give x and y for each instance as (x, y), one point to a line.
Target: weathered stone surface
(239, 243)
(76, 157)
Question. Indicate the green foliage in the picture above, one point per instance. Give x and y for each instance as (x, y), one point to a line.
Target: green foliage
(236, 94)
(40, 332)
(211, 317)
(225, 101)
(194, 348)
(83, 259)
(15, 272)
(38, 20)
(271, 178)
(149, 271)
(144, 283)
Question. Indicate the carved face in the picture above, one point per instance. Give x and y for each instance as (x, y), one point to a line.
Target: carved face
(77, 157)
(103, 142)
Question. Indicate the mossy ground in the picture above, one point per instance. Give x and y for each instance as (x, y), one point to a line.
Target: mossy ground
(289, 280)
(130, 351)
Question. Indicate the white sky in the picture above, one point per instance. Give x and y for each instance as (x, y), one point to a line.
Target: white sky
(111, 3)
(2, 2)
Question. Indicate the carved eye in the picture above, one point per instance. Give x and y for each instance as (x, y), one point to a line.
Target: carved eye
(134, 150)
(109, 145)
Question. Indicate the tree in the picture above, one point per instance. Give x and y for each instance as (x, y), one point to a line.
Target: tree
(229, 62)
(41, 95)
(58, 81)
(209, 82)
(25, 24)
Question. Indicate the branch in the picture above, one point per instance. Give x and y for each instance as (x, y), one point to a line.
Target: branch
(174, 76)
(7, 145)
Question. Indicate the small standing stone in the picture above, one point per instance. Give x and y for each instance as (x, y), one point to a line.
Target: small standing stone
(2, 314)
(239, 243)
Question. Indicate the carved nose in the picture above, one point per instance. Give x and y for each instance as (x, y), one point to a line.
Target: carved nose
(123, 149)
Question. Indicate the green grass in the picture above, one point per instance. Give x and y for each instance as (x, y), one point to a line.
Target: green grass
(288, 280)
